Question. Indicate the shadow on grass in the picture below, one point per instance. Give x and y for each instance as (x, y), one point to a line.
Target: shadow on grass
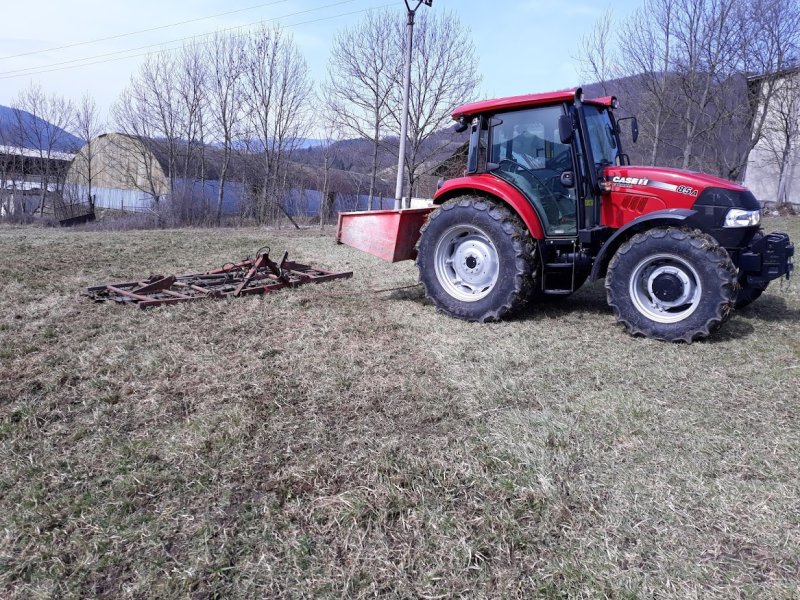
(588, 300)
(591, 300)
(733, 329)
(770, 308)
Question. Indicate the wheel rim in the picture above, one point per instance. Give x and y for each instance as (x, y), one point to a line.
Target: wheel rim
(665, 288)
(467, 264)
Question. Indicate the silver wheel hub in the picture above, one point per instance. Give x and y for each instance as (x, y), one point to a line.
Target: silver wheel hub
(665, 288)
(466, 263)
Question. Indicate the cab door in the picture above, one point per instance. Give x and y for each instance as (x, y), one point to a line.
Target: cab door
(526, 151)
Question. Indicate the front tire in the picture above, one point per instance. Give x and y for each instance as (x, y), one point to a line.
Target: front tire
(475, 259)
(671, 284)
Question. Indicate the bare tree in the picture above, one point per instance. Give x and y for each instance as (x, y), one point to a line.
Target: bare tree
(329, 153)
(705, 35)
(151, 113)
(226, 63)
(158, 108)
(8, 162)
(130, 156)
(646, 45)
(363, 71)
(596, 52)
(444, 75)
(191, 95)
(45, 132)
(87, 126)
(276, 94)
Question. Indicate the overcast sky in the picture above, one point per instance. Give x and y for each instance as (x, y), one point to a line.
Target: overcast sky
(524, 45)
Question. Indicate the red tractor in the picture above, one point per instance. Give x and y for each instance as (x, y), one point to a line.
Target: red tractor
(549, 201)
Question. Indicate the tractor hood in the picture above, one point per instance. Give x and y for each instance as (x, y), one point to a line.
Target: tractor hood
(688, 183)
(631, 192)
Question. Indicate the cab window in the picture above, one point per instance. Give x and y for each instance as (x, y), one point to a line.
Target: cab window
(527, 152)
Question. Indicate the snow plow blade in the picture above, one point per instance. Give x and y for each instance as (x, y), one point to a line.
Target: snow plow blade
(388, 234)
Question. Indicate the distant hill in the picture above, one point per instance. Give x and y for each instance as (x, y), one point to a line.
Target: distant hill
(10, 134)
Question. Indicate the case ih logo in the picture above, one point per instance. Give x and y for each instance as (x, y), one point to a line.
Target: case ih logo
(629, 180)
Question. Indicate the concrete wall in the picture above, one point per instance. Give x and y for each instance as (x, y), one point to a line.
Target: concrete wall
(763, 175)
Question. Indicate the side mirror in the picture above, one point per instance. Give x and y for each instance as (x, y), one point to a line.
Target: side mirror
(565, 129)
(568, 179)
(634, 130)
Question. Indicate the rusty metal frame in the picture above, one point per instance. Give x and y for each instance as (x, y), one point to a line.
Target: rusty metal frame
(249, 276)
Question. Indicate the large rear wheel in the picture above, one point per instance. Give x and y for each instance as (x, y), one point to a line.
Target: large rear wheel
(475, 259)
(671, 284)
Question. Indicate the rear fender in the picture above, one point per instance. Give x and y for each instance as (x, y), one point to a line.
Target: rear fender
(674, 217)
(505, 192)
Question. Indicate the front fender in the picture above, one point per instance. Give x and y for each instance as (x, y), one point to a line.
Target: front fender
(505, 192)
(670, 217)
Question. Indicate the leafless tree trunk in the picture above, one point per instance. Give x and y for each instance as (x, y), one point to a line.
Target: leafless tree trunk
(362, 74)
(87, 126)
(7, 174)
(190, 90)
(157, 93)
(276, 94)
(226, 62)
(705, 38)
(158, 111)
(329, 154)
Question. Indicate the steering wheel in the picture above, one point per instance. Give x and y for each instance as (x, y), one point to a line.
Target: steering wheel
(520, 167)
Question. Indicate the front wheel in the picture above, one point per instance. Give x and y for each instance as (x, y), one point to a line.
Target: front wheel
(475, 259)
(671, 284)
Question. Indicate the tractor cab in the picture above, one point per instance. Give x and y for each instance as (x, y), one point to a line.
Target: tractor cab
(552, 148)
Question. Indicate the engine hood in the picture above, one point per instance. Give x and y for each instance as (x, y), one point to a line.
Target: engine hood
(690, 183)
(635, 191)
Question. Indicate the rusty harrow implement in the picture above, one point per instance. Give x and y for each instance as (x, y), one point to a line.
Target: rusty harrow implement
(249, 276)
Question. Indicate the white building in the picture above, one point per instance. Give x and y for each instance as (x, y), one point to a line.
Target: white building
(773, 166)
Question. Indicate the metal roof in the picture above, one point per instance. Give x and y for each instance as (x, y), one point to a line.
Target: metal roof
(30, 153)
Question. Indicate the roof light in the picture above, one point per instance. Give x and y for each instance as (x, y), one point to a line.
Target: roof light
(614, 102)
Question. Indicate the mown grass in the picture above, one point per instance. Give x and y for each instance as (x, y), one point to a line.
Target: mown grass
(332, 442)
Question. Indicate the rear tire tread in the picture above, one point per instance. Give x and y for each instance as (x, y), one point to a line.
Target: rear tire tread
(524, 259)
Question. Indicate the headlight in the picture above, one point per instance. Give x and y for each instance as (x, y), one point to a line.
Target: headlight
(737, 217)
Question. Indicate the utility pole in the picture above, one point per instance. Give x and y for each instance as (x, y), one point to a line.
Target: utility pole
(401, 158)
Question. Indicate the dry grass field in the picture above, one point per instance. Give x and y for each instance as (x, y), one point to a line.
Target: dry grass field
(332, 442)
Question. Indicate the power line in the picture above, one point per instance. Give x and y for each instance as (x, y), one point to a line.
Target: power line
(130, 33)
(36, 70)
(355, 12)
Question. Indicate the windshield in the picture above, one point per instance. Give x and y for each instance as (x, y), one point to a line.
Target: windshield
(601, 136)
